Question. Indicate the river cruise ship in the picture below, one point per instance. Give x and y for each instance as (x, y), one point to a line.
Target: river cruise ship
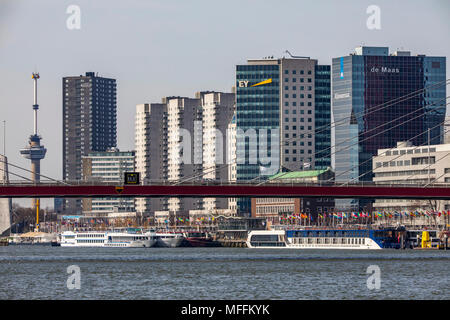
(111, 239)
(169, 240)
(324, 239)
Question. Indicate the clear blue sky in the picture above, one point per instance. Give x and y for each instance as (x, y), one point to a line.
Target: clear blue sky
(161, 48)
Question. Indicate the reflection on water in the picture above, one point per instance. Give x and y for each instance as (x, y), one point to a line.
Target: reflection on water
(40, 272)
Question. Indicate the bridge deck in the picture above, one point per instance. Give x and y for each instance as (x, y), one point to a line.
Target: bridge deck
(227, 190)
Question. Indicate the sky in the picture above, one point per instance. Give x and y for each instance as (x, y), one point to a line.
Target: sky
(164, 48)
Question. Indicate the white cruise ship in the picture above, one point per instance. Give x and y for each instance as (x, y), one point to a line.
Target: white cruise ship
(111, 239)
(170, 240)
(325, 239)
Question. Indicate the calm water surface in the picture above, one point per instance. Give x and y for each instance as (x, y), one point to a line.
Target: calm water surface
(40, 272)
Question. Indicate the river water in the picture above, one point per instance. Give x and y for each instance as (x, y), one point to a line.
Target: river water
(40, 272)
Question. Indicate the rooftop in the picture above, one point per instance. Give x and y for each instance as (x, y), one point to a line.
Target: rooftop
(298, 174)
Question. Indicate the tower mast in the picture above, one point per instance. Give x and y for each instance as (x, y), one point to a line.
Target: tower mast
(34, 151)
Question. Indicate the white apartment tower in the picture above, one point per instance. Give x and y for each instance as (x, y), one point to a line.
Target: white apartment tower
(151, 149)
(183, 140)
(218, 142)
(184, 147)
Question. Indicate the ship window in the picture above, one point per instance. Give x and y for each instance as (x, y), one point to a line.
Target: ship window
(264, 237)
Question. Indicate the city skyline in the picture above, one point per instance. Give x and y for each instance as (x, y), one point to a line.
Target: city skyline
(148, 66)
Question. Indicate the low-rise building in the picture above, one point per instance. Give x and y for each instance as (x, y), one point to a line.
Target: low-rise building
(274, 208)
(417, 165)
(109, 166)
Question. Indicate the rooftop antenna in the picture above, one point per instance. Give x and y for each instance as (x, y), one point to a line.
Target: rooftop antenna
(296, 57)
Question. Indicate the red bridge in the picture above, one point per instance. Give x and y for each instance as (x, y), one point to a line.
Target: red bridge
(441, 192)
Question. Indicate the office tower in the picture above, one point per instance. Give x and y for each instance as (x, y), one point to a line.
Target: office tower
(5, 203)
(109, 166)
(361, 83)
(287, 98)
(217, 114)
(89, 123)
(151, 151)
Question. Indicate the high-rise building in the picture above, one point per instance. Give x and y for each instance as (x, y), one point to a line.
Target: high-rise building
(109, 166)
(218, 111)
(151, 151)
(232, 166)
(288, 100)
(89, 123)
(184, 148)
(362, 83)
(190, 139)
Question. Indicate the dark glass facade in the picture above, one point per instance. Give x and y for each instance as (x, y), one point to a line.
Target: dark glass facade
(256, 108)
(322, 112)
(361, 83)
(295, 105)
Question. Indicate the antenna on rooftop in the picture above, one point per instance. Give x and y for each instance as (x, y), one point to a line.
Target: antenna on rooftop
(296, 57)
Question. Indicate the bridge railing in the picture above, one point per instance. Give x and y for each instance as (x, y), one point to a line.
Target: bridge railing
(223, 183)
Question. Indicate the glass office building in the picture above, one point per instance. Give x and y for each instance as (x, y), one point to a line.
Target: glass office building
(322, 112)
(282, 118)
(379, 99)
(256, 108)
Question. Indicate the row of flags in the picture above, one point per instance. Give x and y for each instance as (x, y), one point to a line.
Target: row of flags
(356, 215)
(201, 219)
(428, 214)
